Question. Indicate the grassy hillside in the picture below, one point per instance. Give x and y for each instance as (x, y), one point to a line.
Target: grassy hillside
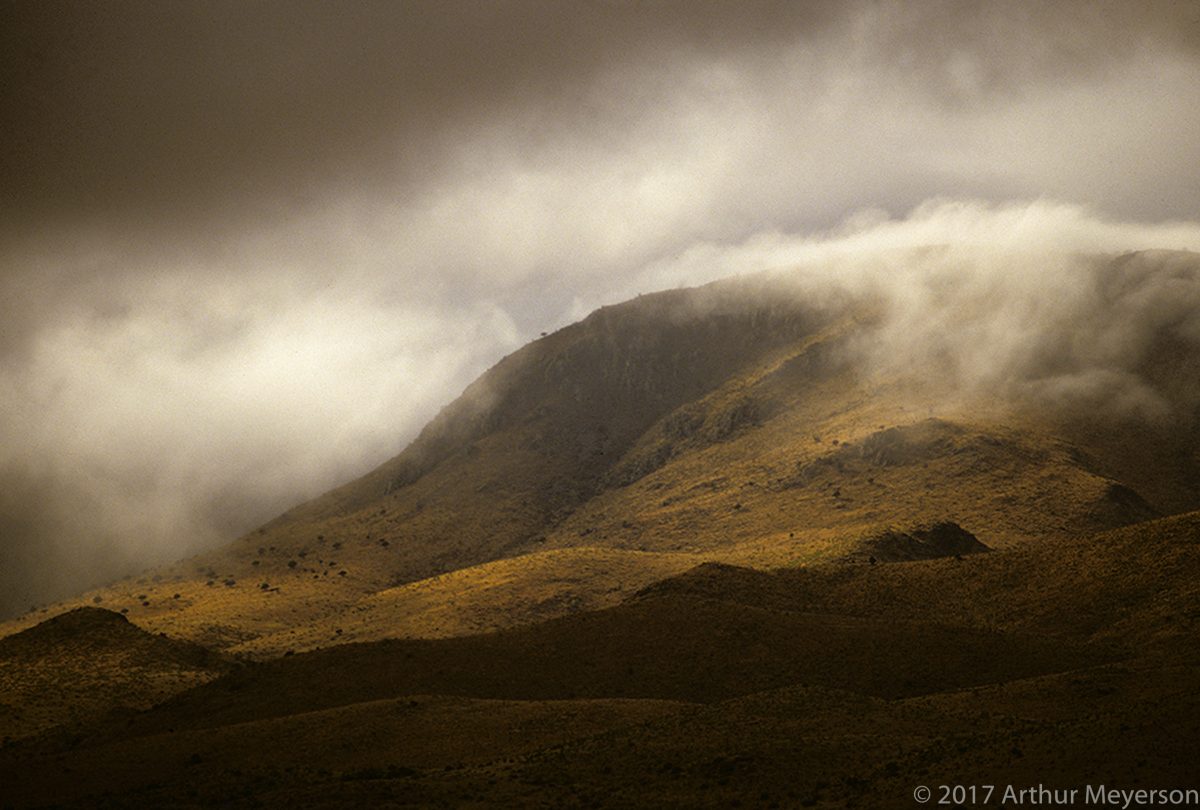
(1136, 586)
(87, 662)
(800, 687)
(694, 550)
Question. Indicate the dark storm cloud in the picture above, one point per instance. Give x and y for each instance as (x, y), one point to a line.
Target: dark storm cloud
(247, 248)
(193, 108)
(965, 51)
(199, 109)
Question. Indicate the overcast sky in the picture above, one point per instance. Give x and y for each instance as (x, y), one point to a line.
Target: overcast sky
(249, 248)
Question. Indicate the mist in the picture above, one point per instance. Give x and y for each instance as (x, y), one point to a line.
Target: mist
(1038, 306)
(248, 251)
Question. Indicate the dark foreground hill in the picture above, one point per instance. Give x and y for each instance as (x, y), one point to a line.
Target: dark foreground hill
(87, 662)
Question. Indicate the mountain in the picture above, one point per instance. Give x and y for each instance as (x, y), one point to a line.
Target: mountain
(727, 544)
(731, 423)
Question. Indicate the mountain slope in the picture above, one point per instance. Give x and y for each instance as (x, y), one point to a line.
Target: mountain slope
(723, 685)
(701, 548)
(739, 422)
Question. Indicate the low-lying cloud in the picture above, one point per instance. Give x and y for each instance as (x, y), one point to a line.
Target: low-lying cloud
(186, 418)
(191, 410)
(247, 251)
(1035, 305)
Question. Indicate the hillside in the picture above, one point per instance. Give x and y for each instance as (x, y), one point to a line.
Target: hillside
(732, 423)
(817, 687)
(87, 662)
(698, 548)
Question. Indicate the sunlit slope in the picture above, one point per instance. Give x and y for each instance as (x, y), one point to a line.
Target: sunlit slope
(837, 683)
(739, 422)
(1137, 587)
(718, 631)
(544, 585)
(492, 596)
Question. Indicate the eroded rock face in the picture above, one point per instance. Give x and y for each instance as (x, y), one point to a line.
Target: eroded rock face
(924, 542)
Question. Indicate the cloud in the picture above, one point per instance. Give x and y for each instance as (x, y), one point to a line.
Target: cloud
(198, 107)
(246, 250)
(1037, 305)
(198, 411)
(218, 110)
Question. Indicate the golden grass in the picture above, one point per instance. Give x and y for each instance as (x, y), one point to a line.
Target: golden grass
(80, 666)
(483, 598)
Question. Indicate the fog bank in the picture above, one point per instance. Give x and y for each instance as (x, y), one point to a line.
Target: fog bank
(247, 250)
